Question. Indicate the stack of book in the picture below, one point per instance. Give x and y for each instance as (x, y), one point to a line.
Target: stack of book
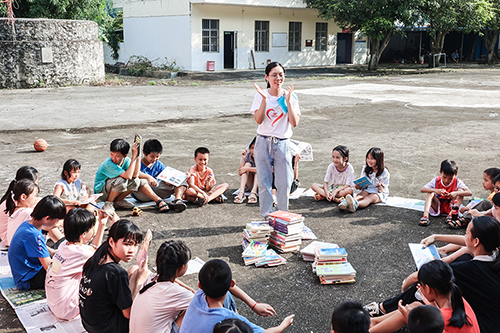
(287, 233)
(331, 266)
(258, 254)
(256, 231)
(309, 252)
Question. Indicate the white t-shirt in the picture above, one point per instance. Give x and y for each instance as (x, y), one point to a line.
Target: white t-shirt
(383, 179)
(15, 220)
(156, 309)
(275, 121)
(63, 279)
(70, 191)
(334, 177)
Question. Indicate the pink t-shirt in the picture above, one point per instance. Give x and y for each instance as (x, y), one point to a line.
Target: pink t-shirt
(63, 279)
(4, 221)
(203, 182)
(15, 220)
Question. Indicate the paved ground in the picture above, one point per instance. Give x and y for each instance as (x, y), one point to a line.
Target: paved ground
(417, 119)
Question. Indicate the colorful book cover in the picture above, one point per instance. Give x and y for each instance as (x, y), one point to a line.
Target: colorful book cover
(423, 255)
(336, 269)
(143, 251)
(255, 249)
(329, 252)
(363, 182)
(172, 176)
(286, 216)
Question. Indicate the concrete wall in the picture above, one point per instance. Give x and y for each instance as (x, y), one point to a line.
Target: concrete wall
(42, 52)
(242, 20)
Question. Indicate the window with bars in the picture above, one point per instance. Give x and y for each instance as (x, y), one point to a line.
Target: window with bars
(294, 36)
(321, 36)
(210, 35)
(261, 36)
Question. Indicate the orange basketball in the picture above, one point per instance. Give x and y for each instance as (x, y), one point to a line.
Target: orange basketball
(40, 145)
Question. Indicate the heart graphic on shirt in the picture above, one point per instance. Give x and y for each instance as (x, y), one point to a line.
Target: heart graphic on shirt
(273, 114)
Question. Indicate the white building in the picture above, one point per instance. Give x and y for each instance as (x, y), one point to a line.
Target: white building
(234, 34)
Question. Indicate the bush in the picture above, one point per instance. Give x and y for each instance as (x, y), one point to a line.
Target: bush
(137, 65)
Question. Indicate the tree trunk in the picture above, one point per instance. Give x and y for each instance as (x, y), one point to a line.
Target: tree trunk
(490, 40)
(437, 43)
(376, 49)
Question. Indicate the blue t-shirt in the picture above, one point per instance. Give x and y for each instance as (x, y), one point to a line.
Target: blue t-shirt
(27, 245)
(108, 170)
(154, 170)
(200, 318)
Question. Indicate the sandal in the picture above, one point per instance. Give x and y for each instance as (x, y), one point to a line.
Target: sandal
(456, 224)
(219, 199)
(424, 221)
(162, 208)
(252, 198)
(240, 198)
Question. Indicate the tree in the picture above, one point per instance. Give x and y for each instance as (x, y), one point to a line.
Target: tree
(378, 19)
(441, 17)
(487, 19)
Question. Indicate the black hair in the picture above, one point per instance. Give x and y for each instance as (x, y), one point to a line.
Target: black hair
(425, 319)
(343, 151)
(438, 275)
(496, 199)
(252, 142)
(270, 67)
(24, 172)
(497, 179)
(492, 173)
(152, 146)
(77, 222)
(201, 150)
(215, 278)
(378, 155)
(69, 166)
(449, 168)
(171, 256)
(232, 326)
(50, 206)
(487, 230)
(119, 145)
(23, 186)
(350, 317)
(121, 229)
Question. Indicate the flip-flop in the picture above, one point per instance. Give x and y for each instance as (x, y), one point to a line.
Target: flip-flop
(162, 208)
(456, 224)
(424, 221)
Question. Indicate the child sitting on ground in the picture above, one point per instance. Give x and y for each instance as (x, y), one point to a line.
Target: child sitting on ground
(232, 326)
(350, 317)
(24, 172)
(425, 319)
(494, 211)
(19, 206)
(378, 189)
(248, 174)
(107, 289)
(442, 191)
(201, 181)
(489, 176)
(207, 307)
(151, 167)
(29, 257)
(70, 187)
(64, 274)
(338, 179)
(118, 176)
(160, 305)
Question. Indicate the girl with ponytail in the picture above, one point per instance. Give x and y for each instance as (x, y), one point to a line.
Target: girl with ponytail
(25, 172)
(160, 305)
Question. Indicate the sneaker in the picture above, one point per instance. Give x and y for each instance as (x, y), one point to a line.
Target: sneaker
(351, 203)
(343, 204)
(318, 197)
(123, 204)
(373, 309)
(177, 205)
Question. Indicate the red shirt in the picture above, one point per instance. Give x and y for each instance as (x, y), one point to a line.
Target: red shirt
(444, 200)
(447, 312)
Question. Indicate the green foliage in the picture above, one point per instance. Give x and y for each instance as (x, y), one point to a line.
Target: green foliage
(112, 33)
(94, 10)
(137, 65)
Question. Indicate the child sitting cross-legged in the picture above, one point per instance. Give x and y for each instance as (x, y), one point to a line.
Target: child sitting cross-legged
(208, 305)
(64, 274)
(201, 181)
(29, 256)
(248, 173)
(441, 192)
(118, 176)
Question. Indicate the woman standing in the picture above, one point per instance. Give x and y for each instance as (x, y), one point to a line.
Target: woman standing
(276, 110)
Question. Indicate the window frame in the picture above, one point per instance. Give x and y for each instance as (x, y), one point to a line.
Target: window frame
(261, 41)
(210, 36)
(321, 42)
(294, 36)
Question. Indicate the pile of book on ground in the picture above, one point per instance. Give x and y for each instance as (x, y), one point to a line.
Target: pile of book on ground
(287, 231)
(255, 250)
(329, 263)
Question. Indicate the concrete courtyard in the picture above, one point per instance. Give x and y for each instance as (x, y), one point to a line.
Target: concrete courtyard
(417, 119)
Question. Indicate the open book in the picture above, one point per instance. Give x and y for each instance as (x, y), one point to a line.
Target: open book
(172, 176)
(423, 255)
(363, 182)
(143, 251)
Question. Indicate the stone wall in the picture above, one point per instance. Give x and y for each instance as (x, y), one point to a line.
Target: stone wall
(42, 52)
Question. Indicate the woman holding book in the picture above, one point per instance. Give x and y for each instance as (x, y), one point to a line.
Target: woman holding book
(276, 110)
